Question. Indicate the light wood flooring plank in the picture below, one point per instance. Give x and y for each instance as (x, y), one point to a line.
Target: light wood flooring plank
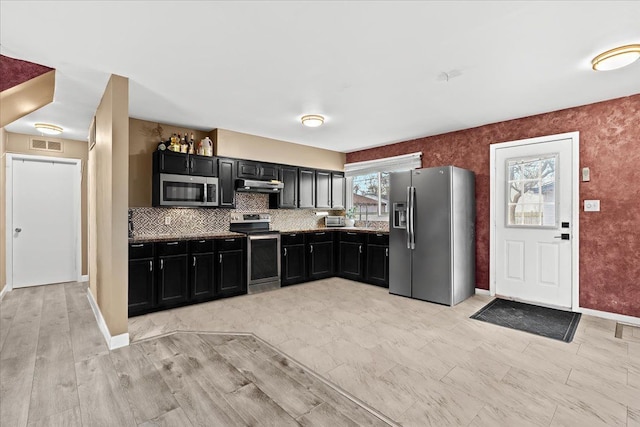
(86, 338)
(54, 380)
(175, 418)
(8, 309)
(148, 395)
(284, 390)
(102, 399)
(76, 296)
(256, 408)
(55, 318)
(69, 418)
(201, 402)
(14, 401)
(325, 415)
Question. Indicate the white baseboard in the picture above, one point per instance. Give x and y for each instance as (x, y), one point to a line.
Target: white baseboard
(118, 341)
(5, 289)
(483, 292)
(84, 278)
(611, 316)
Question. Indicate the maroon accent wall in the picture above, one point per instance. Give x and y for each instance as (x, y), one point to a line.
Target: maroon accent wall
(16, 71)
(609, 146)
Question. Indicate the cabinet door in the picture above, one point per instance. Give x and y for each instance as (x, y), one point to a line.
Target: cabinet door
(248, 169)
(268, 171)
(172, 280)
(169, 162)
(320, 260)
(202, 276)
(288, 197)
(306, 188)
(226, 183)
(338, 190)
(231, 273)
(351, 260)
(323, 189)
(293, 264)
(141, 286)
(378, 265)
(203, 166)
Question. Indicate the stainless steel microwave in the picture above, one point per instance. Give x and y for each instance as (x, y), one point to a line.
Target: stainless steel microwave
(184, 190)
(334, 221)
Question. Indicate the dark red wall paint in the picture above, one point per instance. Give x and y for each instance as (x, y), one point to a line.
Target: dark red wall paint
(15, 71)
(609, 146)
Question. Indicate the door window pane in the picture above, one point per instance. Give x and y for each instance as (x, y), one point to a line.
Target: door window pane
(531, 192)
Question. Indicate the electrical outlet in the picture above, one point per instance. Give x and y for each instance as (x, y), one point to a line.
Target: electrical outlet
(167, 220)
(592, 205)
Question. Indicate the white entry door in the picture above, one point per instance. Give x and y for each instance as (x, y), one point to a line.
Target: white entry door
(533, 215)
(44, 232)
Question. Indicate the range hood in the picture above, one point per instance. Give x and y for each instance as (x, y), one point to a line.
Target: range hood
(255, 186)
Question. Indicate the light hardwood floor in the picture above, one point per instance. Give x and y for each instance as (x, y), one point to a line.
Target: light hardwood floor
(417, 363)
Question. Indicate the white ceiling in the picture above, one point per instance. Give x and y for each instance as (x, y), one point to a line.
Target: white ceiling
(371, 68)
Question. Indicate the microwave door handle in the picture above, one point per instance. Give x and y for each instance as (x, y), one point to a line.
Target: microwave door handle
(204, 199)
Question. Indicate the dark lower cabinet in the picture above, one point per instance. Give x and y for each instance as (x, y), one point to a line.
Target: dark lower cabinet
(141, 285)
(378, 265)
(320, 255)
(202, 277)
(351, 261)
(292, 269)
(172, 280)
(231, 273)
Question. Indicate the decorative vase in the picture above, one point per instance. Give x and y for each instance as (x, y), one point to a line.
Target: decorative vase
(349, 222)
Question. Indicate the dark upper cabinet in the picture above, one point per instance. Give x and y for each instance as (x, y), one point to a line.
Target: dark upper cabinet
(293, 259)
(377, 268)
(202, 270)
(306, 188)
(230, 257)
(288, 196)
(323, 189)
(248, 169)
(351, 255)
(320, 256)
(338, 190)
(226, 182)
(141, 278)
(183, 164)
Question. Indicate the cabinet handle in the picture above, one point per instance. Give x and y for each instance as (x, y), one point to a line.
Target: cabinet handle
(292, 235)
(201, 241)
(161, 264)
(285, 251)
(194, 261)
(191, 163)
(378, 234)
(350, 233)
(360, 248)
(172, 243)
(138, 246)
(229, 240)
(220, 258)
(320, 234)
(311, 249)
(150, 265)
(387, 252)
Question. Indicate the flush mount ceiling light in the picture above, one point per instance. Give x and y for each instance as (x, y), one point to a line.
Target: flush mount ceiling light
(312, 120)
(616, 58)
(48, 129)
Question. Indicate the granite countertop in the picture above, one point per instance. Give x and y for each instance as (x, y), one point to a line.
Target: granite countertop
(174, 237)
(324, 229)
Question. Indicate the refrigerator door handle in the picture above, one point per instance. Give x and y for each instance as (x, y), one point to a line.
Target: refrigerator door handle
(408, 225)
(413, 217)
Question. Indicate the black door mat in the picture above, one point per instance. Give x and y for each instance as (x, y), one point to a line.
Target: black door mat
(546, 322)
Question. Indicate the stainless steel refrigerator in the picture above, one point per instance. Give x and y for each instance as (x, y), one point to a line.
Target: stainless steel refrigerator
(432, 234)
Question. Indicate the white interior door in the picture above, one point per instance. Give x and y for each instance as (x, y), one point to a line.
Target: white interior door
(44, 216)
(533, 215)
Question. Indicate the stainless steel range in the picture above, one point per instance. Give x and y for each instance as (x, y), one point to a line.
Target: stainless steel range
(263, 250)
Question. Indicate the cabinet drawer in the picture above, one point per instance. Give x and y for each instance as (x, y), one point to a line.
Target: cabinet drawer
(320, 236)
(171, 248)
(229, 244)
(140, 250)
(379, 239)
(200, 246)
(292, 239)
(352, 236)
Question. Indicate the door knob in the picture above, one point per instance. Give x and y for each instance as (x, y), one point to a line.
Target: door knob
(18, 229)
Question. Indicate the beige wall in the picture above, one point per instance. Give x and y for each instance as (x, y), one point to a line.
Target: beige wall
(143, 141)
(235, 144)
(108, 195)
(18, 143)
(3, 234)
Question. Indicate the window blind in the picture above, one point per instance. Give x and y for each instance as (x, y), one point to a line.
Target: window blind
(388, 164)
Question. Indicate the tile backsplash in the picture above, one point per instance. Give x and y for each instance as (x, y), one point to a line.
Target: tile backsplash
(185, 221)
